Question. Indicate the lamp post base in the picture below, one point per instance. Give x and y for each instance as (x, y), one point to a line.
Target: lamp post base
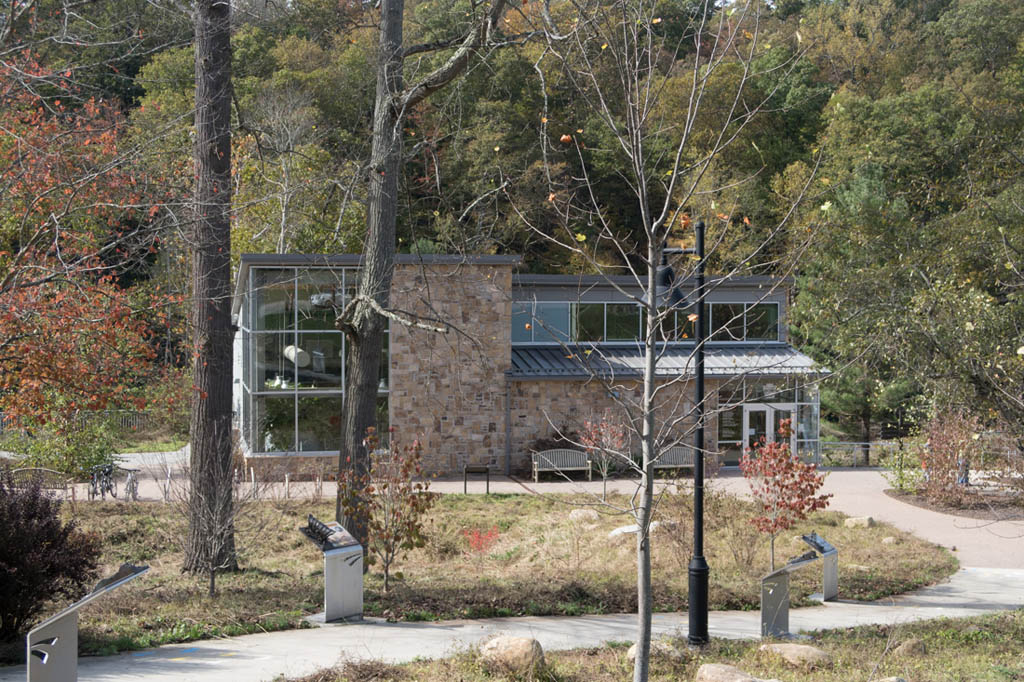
(698, 601)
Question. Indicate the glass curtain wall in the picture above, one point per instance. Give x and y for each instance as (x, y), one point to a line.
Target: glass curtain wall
(293, 373)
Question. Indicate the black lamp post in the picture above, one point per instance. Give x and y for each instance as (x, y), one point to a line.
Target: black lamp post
(698, 569)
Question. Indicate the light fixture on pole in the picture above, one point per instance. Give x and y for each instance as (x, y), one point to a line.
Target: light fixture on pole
(698, 568)
(666, 294)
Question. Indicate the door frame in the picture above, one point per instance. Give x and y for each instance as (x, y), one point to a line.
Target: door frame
(770, 425)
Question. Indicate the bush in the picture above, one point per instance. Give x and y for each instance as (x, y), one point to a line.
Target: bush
(952, 447)
(72, 445)
(41, 558)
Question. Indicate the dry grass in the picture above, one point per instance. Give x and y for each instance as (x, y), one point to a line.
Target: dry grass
(984, 648)
(540, 563)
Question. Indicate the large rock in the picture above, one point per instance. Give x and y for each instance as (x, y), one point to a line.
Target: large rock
(631, 528)
(799, 655)
(662, 648)
(515, 654)
(859, 522)
(911, 648)
(720, 672)
(584, 515)
(891, 679)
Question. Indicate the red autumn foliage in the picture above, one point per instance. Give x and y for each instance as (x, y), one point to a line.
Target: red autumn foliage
(392, 496)
(480, 541)
(785, 486)
(71, 223)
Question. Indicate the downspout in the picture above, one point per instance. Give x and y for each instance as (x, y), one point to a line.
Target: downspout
(508, 422)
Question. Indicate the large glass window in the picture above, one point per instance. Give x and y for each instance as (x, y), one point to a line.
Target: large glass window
(763, 322)
(552, 322)
(274, 299)
(622, 322)
(274, 424)
(318, 360)
(522, 322)
(318, 426)
(319, 298)
(589, 322)
(727, 322)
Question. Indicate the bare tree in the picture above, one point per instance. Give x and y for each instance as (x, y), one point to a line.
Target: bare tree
(211, 535)
(361, 319)
(625, 68)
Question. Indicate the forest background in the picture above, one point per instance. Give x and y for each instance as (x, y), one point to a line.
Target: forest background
(906, 116)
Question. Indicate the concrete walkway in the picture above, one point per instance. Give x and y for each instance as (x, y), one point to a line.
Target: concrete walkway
(294, 653)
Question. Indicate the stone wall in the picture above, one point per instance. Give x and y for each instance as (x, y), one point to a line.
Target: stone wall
(546, 408)
(448, 390)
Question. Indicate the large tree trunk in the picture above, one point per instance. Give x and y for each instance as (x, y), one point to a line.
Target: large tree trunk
(365, 328)
(211, 542)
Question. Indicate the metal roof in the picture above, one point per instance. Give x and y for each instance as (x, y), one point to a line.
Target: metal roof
(551, 362)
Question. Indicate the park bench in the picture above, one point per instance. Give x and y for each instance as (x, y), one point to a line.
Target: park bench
(560, 460)
(48, 479)
(677, 457)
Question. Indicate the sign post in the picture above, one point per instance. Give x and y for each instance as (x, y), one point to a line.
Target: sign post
(343, 568)
(52, 646)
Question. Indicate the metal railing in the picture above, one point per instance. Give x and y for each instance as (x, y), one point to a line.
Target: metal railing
(854, 454)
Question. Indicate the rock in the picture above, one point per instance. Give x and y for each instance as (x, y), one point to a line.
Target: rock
(910, 648)
(631, 528)
(857, 567)
(584, 515)
(518, 654)
(891, 679)
(890, 540)
(719, 672)
(661, 648)
(799, 655)
(859, 522)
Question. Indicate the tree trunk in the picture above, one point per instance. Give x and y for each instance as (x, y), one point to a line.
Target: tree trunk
(211, 543)
(865, 434)
(644, 600)
(365, 329)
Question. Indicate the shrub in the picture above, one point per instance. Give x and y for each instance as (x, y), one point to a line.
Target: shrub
(41, 558)
(903, 470)
(390, 498)
(952, 446)
(69, 444)
(783, 485)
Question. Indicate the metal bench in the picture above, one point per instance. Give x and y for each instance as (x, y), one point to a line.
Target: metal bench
(48, 479)
(560, 460)
(677, 457)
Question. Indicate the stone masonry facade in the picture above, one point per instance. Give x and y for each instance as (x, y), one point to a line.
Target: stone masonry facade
(448, 390)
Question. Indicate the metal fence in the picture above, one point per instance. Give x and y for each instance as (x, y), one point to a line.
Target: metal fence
(124, 419)
(854, 454)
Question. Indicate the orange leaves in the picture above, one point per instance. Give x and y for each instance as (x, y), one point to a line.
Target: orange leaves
(566, 138)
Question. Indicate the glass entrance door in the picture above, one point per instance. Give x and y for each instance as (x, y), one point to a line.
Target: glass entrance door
(762, 422)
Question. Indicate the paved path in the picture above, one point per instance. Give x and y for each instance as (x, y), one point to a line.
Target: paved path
(294, 653)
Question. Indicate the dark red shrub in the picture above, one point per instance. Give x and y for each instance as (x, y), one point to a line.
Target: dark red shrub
(41, 558)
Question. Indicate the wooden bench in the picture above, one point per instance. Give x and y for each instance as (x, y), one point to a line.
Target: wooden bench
(676, 457)
(560, 460)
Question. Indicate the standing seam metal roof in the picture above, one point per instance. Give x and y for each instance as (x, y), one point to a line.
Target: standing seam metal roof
(544, 362)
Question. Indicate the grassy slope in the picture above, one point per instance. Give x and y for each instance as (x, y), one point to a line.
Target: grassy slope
(539, 563)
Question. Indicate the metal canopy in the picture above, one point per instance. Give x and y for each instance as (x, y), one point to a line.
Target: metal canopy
(584, 361)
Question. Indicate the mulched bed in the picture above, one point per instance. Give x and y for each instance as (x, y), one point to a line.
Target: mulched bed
(989, 506)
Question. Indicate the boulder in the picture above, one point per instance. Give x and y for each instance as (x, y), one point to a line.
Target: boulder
(584, 515)
(911, 648)
(859, 522)
(890, 540)
(720, 672)
(518, 654)
(631, 528)
(891, 679)
(661, 648)
(857, 567)
(799, 655)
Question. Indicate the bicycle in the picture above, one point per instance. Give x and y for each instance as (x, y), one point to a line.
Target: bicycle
(131, 485)
(101, 481)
